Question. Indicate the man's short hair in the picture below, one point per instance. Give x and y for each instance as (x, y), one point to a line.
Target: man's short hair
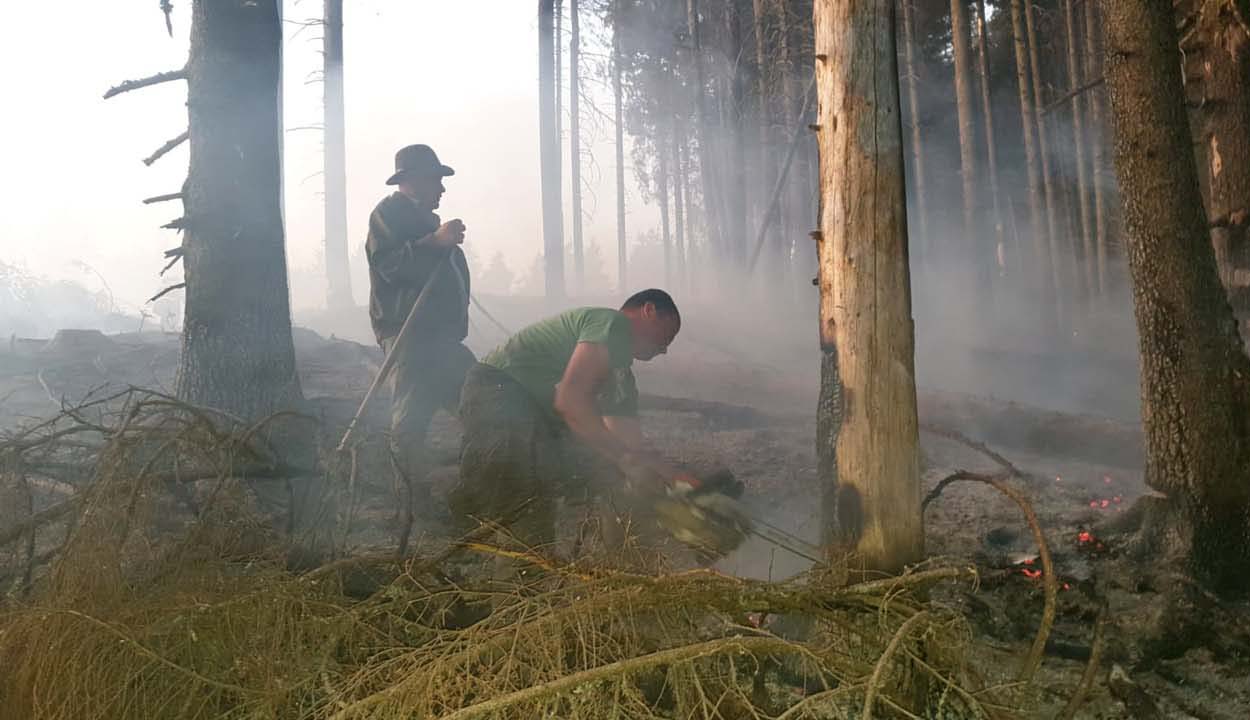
(663, 302)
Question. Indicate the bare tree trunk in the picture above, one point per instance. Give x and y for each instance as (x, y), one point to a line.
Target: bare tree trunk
(679, 209)
(766, 172)
(237, 351)
(338, 275)
(917, 143)
(1041, 251)
(1075, 80)
(790, 227)
(867, 429)
(1093, 69)
(1195, 377)
(549, 151)
(967, 134)
(622, 261)
(661, 194)
(691, 256)
(1223, 138)
(575, 148)
(736, 198)
(707, 173)
(991, 152)
(1039, 102)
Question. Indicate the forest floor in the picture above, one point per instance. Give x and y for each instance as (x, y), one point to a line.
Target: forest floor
(750, 414)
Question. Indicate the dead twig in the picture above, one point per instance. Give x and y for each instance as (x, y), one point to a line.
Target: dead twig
(164, 77)
(170, 145)
(166, 291)
(1050, 584)
(163, 198)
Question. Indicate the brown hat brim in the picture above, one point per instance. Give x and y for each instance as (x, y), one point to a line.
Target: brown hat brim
(442, 171)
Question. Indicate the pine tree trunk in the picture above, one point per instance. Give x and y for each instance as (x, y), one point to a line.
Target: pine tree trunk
(549, 151)
(338, 275)
(1195, 377)
(1028, 128)
(791, 229)
(661, 194)
(967, 133)
(237, 351)
(575, 148)
(1043, 149)
(766, 172)
(917, 143)
(679, 208)
(736, 198)
(867, 429)
(1224, 137)
(622, 260)
(692, 255)
(1075, 80)
(707, 169)
(1093, 70)
(991, 150)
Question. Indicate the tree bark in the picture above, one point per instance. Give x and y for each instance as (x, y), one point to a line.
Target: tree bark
(1093, 99)
(967, 134)
(1195, 377)
(917, 143)
(622, 260)
(338, 274)
(1075, 80)
(1224, 138)
(237, 351)
(867, 429)
(575, 147)
(1028, 128)
(1043, 149)
(991, 151)
(549, 151)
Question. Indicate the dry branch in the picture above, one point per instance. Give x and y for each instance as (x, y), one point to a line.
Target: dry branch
(878, 673)
(166, 291)
(1091, 669)
(163, 198)
(1071, 94)
(162, 150)
(180, 74)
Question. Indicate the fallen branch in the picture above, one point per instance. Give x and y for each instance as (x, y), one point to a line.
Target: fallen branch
(42, 517)
(1082, 89)
(878, 672)
(974, 444)
(162, 150)
(156, 79)
(1050, 584)
(166, 291)
(1091, 669)
(163, 198)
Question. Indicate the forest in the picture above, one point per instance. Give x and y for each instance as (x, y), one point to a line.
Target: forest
(914, 383)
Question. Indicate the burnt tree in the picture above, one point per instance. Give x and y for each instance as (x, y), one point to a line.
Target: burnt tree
(237, 351)
(1195, 376)
(967, 134)
(867, 440)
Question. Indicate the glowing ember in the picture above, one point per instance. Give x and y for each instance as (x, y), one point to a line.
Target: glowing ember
(1106, 479)
(1033, 574)
(1058, 479)
(1104, 503)
(1085, 536)
(1067, 586)
(1093, 503)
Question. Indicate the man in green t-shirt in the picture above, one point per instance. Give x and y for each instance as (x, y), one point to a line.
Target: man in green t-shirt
(564, 378)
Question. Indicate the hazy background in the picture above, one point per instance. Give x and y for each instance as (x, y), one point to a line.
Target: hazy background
(459, 76)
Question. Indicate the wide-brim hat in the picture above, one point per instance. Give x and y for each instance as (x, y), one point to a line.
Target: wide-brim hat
(417, 160)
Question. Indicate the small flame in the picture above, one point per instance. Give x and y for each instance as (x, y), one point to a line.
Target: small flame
(1085, 536)
(1032, 574)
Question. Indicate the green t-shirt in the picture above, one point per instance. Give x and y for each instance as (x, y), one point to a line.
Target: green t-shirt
(537, 356)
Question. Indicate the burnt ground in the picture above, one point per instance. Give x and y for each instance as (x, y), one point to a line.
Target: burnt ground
(756, 418)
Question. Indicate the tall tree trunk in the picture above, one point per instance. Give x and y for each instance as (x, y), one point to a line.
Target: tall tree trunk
(1028, 128)
(1043, 148)
(691, 256)
(1224, 140)
(766, 170)
(679, 207)
(1075, 80)
(917, 143)
(1195, 377)
(575, 148)
(707, 174)
(237, 351)
(622, 261)
(1093, 98)
(549, 151)
(736, 198)
(991, 152)
(867, 429)
(967, 133)
(792, 224)
(338, 275)
(661, 194)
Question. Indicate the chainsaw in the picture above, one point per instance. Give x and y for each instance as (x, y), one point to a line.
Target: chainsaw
(711, 519)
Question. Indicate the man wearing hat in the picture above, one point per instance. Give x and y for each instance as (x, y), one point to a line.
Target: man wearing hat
(406, 249)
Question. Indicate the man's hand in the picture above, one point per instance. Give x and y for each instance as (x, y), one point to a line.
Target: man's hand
(449, 234)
